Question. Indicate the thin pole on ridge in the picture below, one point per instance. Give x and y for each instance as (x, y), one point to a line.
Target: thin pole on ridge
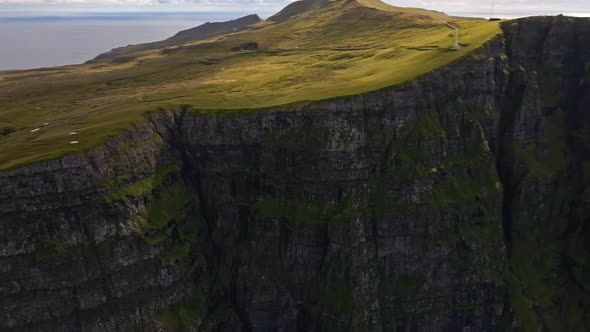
(492, 11)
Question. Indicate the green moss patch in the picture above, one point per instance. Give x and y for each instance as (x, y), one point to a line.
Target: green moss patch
(181, 316)
(406, 286)
(144, 186)
(46, 248)
(304, 211)
(171, 204)
(337, 297)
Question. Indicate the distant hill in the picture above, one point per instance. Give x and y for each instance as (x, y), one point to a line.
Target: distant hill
(300, 8)
(297, 8)
(340, 11)
(201, 32)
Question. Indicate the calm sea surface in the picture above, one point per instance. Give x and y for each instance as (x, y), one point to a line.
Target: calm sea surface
(28, 41)
(33, 42)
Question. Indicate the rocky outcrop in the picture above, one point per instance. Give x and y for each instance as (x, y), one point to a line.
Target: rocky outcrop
(249, 46)
(387, 211)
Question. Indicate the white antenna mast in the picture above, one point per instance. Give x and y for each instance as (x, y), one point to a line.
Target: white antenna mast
(492, 11)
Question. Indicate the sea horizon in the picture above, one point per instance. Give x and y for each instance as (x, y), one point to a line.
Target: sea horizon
(75, 37)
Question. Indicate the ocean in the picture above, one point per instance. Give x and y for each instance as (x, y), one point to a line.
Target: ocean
(43, 41)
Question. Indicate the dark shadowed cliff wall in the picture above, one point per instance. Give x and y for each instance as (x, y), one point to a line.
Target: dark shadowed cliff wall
(457, 201)
(544, 163)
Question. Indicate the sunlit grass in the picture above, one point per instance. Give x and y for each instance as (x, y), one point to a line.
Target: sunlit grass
(342, 49)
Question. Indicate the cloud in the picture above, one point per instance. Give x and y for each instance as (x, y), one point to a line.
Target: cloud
(452, 6)
(500, 5)
(145, 2)
(75, 2)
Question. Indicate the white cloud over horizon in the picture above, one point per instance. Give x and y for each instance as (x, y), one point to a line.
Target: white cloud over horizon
(265, 6)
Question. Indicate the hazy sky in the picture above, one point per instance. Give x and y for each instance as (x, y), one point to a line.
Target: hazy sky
(269, 6)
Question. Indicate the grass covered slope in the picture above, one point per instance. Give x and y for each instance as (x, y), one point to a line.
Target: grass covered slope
(312, 50)
(202, 32)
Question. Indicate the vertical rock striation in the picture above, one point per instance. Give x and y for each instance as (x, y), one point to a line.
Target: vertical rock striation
(543, 162)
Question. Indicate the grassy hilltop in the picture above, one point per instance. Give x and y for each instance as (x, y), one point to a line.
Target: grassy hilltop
(311, 50)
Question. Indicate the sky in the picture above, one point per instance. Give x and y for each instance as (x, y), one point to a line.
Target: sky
(571, 7)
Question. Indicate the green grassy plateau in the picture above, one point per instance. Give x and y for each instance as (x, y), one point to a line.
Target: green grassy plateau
(311, 50)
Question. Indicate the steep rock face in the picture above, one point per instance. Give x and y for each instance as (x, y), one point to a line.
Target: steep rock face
(544, 165)
(387, 218)
(387, 211)
(71, 257)
(376, 212)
